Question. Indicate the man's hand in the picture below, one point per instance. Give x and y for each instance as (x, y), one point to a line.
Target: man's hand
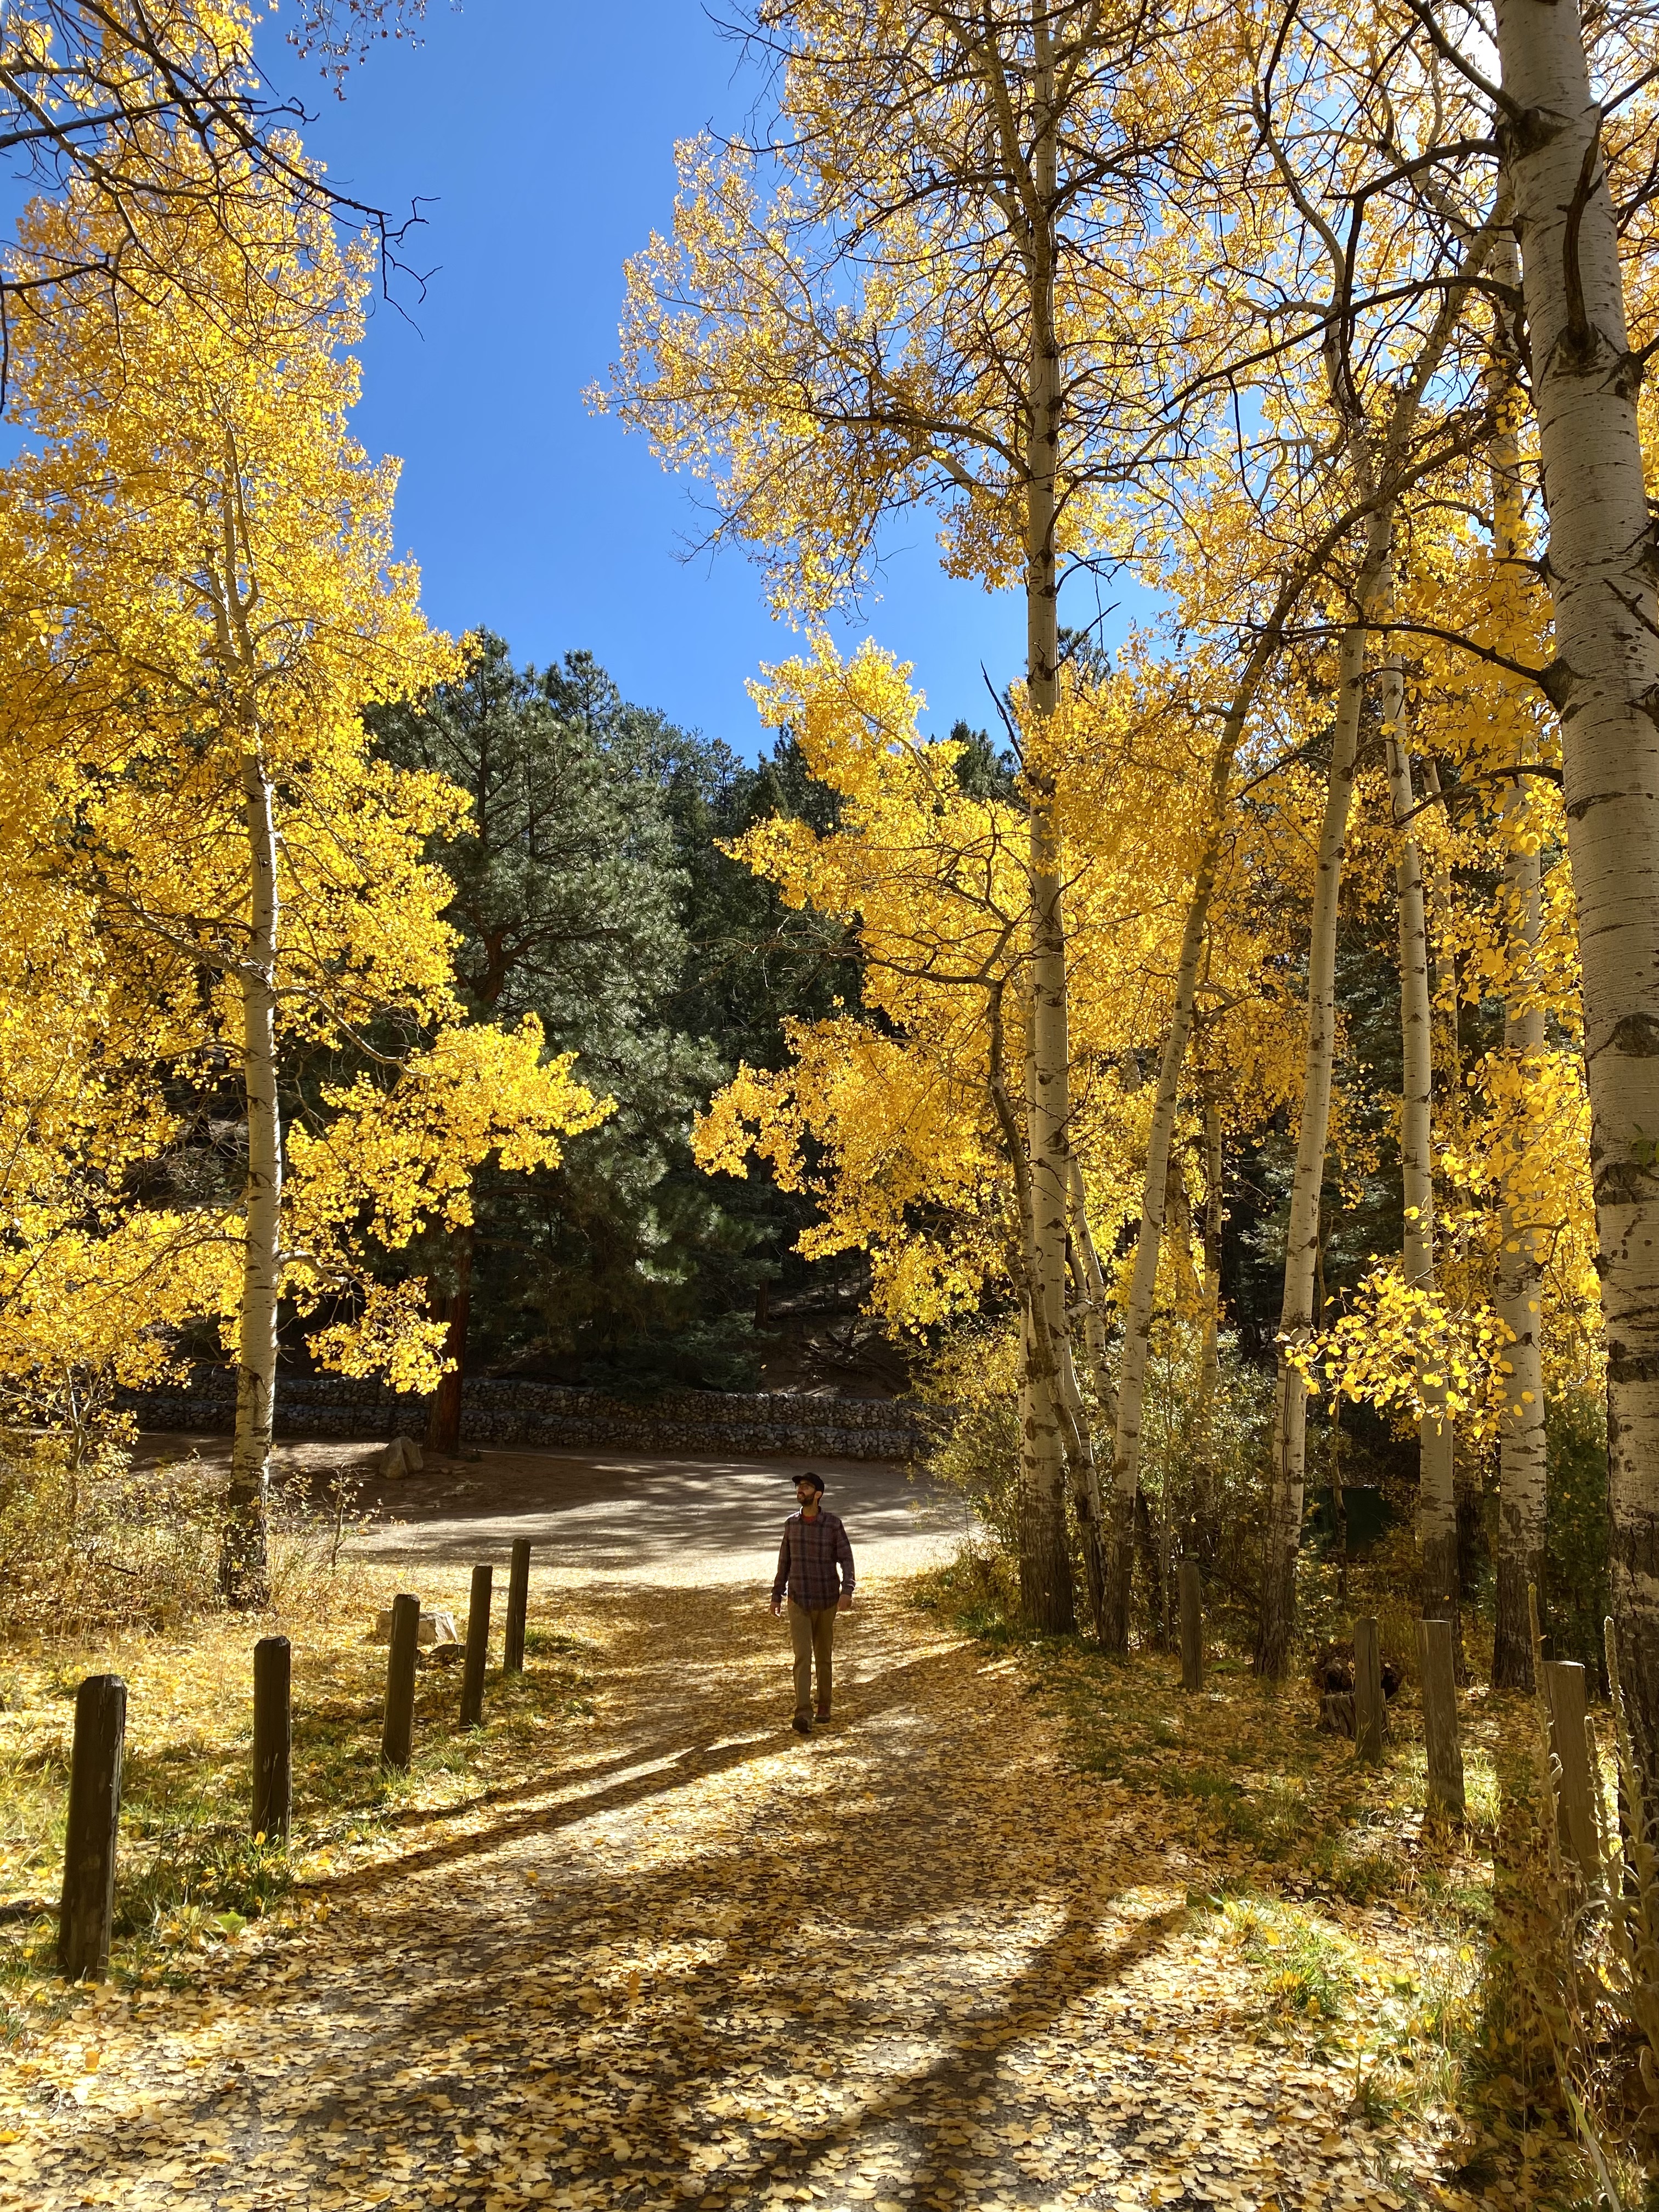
(777, 1608)
(844, 1603)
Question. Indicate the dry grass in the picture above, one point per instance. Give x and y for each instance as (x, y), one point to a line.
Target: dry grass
(191, 1876)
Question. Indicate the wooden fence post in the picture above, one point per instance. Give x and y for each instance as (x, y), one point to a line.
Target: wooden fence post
(518, 1605)
(399, 1732)
(273, 1738)
(477, 1648)
(1564, 1686)
(1369, 1713)
(95, 1817)
(1192, 1626)
(1445, 1750)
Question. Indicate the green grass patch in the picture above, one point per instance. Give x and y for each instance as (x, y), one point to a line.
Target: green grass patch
(1305, 1967)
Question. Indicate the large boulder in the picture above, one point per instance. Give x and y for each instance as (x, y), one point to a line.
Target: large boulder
(435, 1627)
(401, 1456)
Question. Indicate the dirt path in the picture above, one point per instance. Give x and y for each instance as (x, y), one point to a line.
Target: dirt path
(606, 1515)
(912, 1961)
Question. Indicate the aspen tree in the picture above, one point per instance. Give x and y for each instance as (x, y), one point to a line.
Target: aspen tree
(100, 94)
(1214, 566)
(1437, 1505)
(1522, 1444)
(1149, 1242)
(1510, 1138)
(1604, 684)
(1522, 1455)
(91, 1282)
(1302, 185)
(938, 307)
(1377, 422)
(1214, 1215)
(1209, 1363)
(212, 548)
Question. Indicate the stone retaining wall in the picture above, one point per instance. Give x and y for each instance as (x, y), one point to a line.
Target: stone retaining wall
(706, 1423)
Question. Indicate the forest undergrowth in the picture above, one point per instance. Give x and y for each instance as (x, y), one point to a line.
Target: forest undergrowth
(1378, 1941)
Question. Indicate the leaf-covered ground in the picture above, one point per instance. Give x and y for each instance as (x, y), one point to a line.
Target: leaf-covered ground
(1010, 1932)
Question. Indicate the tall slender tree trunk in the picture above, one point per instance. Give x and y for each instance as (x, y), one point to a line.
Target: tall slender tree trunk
(1045, 1566)
(1046, 1592)
(244, 1550)
(1437, 1502)
(1287, 1468)
(1209, 1348)
(1521, 1444)
(1209, 1362)
(1523, 1457)
(1604, 684)
(1339, 1502)
(1091, 1298)
(443, 1420)
(1078, 1439)
(1138, 1313)
(1048, 1115)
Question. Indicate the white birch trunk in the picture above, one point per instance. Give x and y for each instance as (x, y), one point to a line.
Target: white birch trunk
(243, 1561)
(1437, 1503)
(1138, 1315)
(1287, 1469)
(1523, 1458)
(1046, 1569)
(1063, 1446)
(1605, 684)
(1092, 1301)
(1045, 1563)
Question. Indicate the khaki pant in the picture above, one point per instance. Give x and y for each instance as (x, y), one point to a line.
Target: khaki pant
(812, 1631)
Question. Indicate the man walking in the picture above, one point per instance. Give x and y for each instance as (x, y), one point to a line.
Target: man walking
(815, 1566)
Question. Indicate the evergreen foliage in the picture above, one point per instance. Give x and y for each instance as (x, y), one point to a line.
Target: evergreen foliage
(591, 891)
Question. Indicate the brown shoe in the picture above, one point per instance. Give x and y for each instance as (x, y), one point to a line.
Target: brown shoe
(802, 1725)
(822, 1713)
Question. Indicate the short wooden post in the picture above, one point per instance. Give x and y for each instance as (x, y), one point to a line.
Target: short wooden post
(1564, 1686)
(1371, 1715)
(273, 1738)
(477, 1648)
(398, 1732)
(518, 1605)
(95, 1817)
(1192, 1626)
(1440, 1732)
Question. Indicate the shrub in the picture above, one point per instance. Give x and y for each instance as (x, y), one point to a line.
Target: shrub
(91, 1544)
(1202, 1475)
(972, 1383)
(1200, 1465)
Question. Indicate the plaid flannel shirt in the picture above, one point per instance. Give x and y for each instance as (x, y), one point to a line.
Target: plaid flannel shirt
(815, 1561)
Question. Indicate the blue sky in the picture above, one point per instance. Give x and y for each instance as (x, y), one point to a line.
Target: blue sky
(540, 132)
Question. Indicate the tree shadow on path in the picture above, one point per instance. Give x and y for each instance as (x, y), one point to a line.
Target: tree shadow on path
(713, 1964)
